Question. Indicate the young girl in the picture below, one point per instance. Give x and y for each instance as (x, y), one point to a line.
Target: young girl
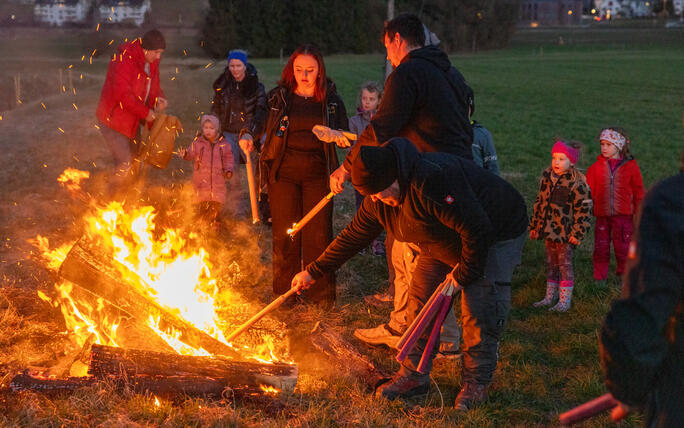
(561, 218)
(213, 164)
(617, 188)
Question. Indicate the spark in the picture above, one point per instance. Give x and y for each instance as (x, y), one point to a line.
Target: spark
(208, 65)
(185, 52)
(75, 106)
(96, 127)
(44, 107)
(98, 27)
(61, 130)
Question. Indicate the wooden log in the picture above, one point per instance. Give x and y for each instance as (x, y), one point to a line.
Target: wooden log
(99, 274)
(109, 361)
(345, 355)
(162, 386)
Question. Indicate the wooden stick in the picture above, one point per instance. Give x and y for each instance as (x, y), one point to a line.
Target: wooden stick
(251, 182)
(270, 307)
(588, 409)
(311, 214)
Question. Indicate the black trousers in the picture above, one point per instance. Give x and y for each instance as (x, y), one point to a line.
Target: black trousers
(302, 182)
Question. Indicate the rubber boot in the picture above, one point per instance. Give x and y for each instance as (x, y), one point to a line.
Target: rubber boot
(551, 295)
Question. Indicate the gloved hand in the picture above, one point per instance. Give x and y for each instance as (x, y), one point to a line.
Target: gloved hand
(328, 135)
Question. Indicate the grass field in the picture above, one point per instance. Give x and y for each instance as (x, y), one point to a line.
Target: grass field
(525, 96)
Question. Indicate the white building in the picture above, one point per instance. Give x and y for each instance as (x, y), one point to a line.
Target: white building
(628, 8)
(124, 11)
(60, 12)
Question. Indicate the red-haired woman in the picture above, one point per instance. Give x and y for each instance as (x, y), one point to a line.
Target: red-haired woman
(297, 166)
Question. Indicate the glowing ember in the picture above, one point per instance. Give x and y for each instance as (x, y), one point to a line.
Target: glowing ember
(156, 402)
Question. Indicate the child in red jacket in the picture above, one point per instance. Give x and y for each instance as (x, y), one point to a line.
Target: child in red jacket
(617, 188)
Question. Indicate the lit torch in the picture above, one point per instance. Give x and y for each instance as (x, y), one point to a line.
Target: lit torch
(296, 227)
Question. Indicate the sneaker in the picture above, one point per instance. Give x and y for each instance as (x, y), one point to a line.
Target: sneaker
(379, 335)
(471, 395)
(379, 299)
(402, 387)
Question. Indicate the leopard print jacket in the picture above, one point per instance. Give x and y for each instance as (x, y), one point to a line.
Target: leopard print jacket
(563, 208)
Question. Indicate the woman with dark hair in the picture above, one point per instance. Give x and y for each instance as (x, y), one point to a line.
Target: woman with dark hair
(297, 167)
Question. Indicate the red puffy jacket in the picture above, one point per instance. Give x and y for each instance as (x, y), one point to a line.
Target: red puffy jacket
(616, 193)
(122, 102)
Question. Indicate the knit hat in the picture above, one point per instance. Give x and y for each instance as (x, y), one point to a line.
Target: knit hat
(374, 170)
(570, 152)
(153, 40)
(614, 137)
(238, 54)
(211, 118)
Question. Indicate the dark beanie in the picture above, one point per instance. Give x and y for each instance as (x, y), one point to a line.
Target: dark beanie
(374, 170)
(153, 40)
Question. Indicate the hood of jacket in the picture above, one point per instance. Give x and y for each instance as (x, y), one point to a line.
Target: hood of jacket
(407, 155)
(432, 54)
(134, 50)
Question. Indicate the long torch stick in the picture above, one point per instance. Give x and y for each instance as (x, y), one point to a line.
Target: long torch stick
(271, 306)
(251, 182)
(588, 409)
(311, 214)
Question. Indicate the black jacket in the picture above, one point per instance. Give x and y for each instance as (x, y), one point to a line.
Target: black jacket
(333, 114)
(642, 340)
(240, 106)
(424, 100)
(450, 207)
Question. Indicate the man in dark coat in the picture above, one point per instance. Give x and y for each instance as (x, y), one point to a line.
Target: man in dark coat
(467, 226)
(642, 340)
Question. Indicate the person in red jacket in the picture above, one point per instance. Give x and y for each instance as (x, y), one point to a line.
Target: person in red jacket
(130, 94)
(617, 187)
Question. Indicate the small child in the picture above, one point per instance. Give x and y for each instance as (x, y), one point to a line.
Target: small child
(213, 165)
(366, 105)
(617, 189)
(484, 152)
(561, 218)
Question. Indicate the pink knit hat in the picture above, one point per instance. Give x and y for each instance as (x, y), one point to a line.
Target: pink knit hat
(571, 153)
(213, 119)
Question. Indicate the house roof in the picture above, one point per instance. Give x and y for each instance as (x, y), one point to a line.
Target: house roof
(57, 2)
(115, 3)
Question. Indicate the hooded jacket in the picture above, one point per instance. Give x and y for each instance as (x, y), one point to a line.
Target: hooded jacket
(122, 101)
(333, 114)
(240, 106)
(642, 339)
(211, 161)
(616, 192)
(562, 207)
(451, 208)
(424, 101)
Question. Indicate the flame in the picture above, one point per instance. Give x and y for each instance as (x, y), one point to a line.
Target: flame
(71, 179)
(269, 389)
(156, 401)
(161, 264)
(292, 230)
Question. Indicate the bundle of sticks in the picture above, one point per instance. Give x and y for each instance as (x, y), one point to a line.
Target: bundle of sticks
(435, 309)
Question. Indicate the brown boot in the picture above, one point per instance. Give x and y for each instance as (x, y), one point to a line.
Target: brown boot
(471, 395)
(403, 387)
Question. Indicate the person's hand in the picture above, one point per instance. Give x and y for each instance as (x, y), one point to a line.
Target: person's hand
(337, 179)
(328, 135)
(450, 280)
(183, 153)
(574, 241)
(228, 175)
(150, 116)
(534, 234)
(302, 281)
(619, 412)
(162, 103)
(246, 143)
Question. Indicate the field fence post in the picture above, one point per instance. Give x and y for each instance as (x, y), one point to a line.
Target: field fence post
(61, 81)
(71, 81)
(17, 88)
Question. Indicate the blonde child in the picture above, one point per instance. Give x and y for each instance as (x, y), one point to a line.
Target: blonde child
(213, 165)
(561, 218)
(617, 189)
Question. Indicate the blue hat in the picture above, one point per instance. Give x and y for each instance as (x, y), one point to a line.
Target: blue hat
(238, 54)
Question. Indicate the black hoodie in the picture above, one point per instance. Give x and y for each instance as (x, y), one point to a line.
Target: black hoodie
(240, 106)
(425, 101)
(450, 207)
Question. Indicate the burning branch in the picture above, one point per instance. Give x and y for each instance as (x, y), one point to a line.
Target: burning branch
(311, 214)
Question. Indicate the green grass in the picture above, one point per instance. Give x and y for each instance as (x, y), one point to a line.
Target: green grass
(549, 362)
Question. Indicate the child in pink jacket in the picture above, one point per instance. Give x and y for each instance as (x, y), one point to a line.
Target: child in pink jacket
(213, 164)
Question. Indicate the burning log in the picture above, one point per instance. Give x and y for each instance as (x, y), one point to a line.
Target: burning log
(332, 344)
(164, 386)
(104, 277)
(109, 361)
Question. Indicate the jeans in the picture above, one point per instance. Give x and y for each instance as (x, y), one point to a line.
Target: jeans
(120, 146)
